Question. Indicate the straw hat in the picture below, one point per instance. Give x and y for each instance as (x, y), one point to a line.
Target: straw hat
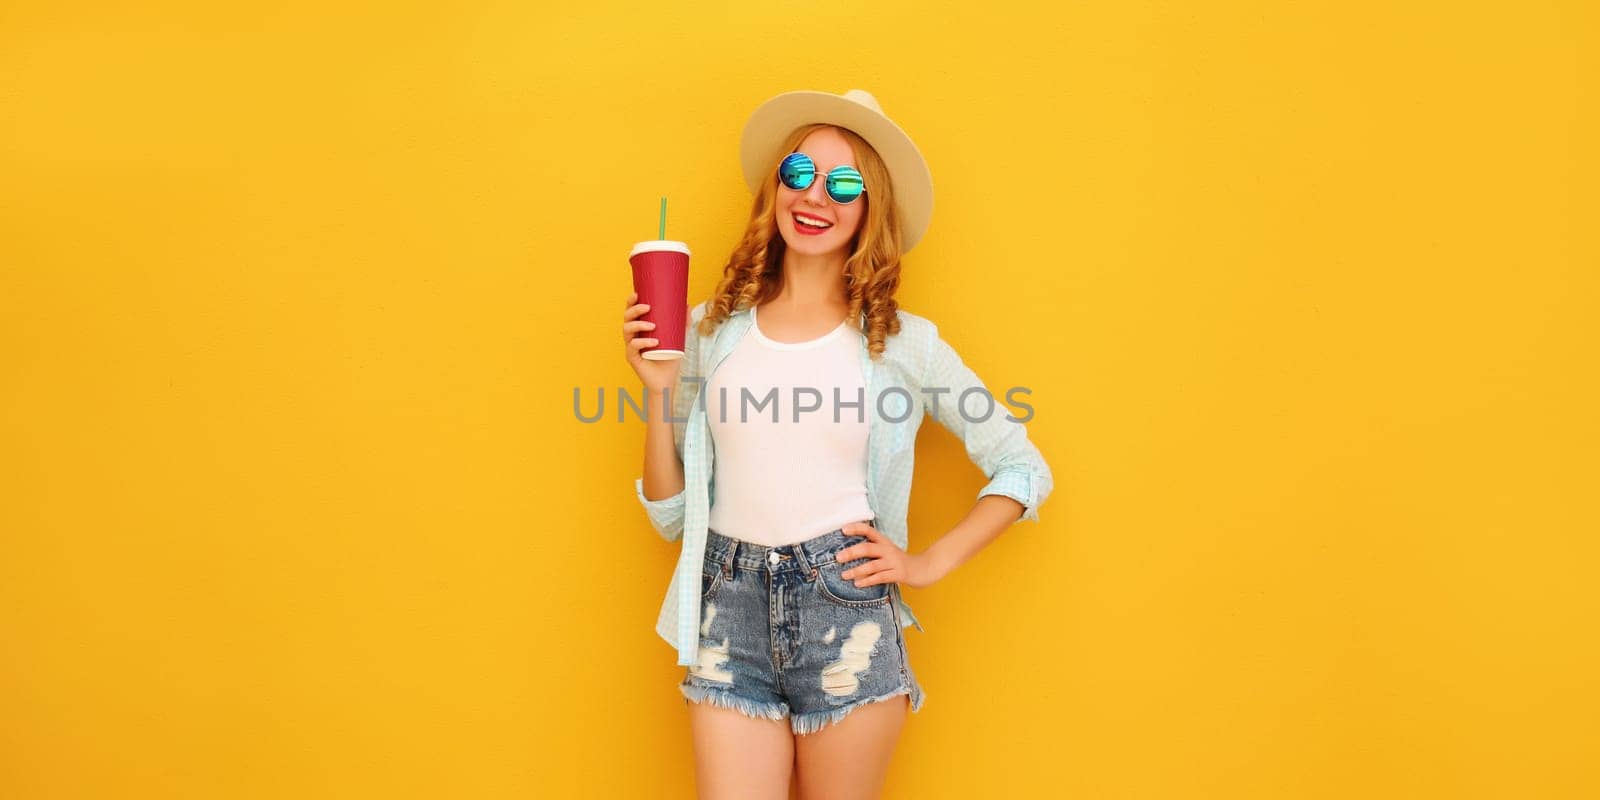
(762, 141)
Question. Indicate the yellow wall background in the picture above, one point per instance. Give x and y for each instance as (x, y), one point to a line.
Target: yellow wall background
(293, 300)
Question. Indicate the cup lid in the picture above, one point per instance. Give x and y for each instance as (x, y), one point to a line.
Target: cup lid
(659, 244)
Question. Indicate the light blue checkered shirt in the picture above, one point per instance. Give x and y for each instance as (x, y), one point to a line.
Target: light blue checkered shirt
(914, 358)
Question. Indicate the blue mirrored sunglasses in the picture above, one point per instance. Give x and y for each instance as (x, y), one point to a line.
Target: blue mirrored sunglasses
(843, 183)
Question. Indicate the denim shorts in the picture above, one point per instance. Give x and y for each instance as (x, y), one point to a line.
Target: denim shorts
(781, 634)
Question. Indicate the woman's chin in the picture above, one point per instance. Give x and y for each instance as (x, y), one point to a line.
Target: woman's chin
(808, 245)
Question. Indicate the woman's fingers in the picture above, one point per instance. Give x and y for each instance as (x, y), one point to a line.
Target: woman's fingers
(641, 342)
(631, 325)
(864, 530)
(872, 567)
(863, 550)
(882, 572)
(882, 577)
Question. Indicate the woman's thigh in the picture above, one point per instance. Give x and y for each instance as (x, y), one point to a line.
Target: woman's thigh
(850, 758)
(738, 756)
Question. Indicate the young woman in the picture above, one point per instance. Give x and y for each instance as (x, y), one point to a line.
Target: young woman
(785, 464)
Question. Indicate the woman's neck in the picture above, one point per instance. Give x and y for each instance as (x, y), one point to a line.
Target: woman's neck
(812, 281)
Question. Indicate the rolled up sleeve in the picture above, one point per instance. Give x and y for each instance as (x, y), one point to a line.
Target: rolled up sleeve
(997, 444)
(666, 514)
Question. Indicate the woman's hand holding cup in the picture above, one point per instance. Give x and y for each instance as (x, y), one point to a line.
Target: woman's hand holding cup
(636, 335)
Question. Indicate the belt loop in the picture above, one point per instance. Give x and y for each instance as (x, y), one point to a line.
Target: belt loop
(805, 562)
(727, 560)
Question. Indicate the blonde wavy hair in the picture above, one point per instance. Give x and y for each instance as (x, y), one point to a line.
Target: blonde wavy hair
(871, 272)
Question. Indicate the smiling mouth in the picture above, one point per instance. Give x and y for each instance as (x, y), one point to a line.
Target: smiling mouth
(807, 223)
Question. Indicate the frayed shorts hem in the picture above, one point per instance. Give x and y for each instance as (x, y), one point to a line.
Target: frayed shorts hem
(800, 724)
(745, 706)
(814, 721)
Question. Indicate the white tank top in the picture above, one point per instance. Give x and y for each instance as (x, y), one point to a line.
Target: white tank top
(785, 481)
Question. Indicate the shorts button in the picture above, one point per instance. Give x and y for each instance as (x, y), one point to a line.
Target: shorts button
(772, 557)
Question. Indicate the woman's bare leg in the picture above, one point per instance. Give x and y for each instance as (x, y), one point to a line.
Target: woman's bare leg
(737, 757)
(850, 758)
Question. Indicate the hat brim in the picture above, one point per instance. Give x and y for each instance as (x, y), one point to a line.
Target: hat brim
(775, 119)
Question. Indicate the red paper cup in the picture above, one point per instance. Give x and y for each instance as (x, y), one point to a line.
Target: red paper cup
(661, 277)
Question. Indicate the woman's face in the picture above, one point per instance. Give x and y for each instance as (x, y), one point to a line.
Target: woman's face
(828, 149)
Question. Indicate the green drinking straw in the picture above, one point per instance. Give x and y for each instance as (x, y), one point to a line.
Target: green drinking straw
(661, 230)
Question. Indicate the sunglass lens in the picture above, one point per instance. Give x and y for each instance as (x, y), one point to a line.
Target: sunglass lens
(797, 171)
(844, 184)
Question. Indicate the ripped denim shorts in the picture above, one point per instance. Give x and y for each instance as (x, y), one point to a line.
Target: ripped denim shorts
(781, 634)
